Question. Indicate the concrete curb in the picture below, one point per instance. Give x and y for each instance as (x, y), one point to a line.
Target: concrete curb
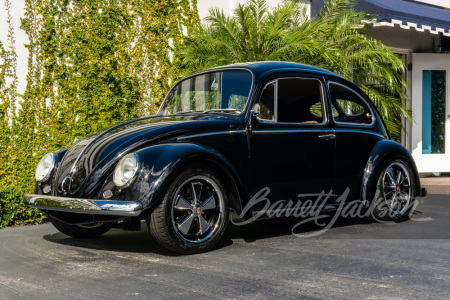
(436, 185)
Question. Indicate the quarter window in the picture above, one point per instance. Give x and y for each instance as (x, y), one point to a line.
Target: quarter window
(266, 105)
(349, 107)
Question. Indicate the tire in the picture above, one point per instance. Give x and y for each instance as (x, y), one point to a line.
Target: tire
(395, 193)
(193, 214)
(80, 231)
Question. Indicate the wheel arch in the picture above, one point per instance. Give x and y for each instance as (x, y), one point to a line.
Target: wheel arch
(384, 152)
(160, 164)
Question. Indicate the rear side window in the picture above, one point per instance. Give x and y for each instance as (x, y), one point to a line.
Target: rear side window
(349, 107)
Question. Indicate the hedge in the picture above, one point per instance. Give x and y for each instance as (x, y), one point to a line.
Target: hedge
(14, 212)
(91, 64)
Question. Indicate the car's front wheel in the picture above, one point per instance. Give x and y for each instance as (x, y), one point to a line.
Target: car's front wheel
(193, 214)
(81, 231)
(394, 197)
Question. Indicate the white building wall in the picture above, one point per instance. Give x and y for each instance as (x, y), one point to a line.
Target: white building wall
(427, 162)
(441, 3)
(17, 12)
(228, 6)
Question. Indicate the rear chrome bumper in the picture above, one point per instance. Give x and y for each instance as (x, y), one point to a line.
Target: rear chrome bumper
(84, 206)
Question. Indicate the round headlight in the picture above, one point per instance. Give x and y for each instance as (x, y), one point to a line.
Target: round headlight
(125, 170)
(45, 167)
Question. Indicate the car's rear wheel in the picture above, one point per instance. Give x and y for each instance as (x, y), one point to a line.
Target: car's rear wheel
(395, 194)
(81, 231)
(193, 214)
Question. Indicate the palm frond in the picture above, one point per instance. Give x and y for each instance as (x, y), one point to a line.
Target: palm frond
(330, 40)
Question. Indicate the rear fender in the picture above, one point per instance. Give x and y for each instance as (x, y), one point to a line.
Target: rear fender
(384, 152)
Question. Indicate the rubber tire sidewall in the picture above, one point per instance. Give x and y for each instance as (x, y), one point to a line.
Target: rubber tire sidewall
(160, 223)
(379, 214)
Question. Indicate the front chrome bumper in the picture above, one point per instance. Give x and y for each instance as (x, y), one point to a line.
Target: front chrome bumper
(84, 206)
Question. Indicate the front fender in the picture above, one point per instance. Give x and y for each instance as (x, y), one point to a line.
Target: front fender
(161, 163)
(384, 152)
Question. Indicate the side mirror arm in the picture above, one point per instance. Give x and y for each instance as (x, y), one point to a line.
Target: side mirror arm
(253, 115)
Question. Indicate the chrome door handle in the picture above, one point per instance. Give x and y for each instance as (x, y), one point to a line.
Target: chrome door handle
(327, 137)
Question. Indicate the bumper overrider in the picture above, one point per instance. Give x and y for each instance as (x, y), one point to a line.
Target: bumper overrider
(84, 206)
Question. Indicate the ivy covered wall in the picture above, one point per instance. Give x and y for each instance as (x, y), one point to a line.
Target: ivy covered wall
(92, 63)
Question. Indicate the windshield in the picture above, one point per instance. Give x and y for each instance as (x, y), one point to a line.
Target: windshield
(224, 91)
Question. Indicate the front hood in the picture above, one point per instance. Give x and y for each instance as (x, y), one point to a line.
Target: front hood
(90, 160)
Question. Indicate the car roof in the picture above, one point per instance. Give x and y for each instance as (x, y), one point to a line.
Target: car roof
(261, 67)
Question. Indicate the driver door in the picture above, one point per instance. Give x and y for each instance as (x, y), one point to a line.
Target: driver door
(292, 143)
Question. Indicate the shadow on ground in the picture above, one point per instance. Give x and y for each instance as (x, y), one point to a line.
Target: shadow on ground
(142, 241)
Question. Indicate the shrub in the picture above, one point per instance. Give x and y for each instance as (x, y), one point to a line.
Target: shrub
(91, 64)
(14, 212)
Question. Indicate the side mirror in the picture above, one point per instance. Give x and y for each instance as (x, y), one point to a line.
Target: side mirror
(256, 110)
(254, 113)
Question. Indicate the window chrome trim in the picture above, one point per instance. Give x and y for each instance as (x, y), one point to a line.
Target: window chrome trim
(302, 130)
(275, 99)
(275, 109)
(359, 96)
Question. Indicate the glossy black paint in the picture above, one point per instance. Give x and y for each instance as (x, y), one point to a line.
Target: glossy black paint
(353, 148)
(292, 160)
(247, 154)
(100, 154)
(384, 152)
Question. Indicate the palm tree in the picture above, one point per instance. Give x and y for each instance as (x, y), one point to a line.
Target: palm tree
(330, 40)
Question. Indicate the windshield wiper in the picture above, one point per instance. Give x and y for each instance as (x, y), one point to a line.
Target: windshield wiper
(187, 112)
(221, 110)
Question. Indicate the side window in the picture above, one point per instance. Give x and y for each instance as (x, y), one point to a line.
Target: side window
(347, 106)
(300, 101)
(266, 104)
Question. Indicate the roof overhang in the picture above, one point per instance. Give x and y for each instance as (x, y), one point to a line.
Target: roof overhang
(408, 15)
(409, 26)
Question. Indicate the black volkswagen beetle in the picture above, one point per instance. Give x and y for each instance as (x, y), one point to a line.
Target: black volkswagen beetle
(219, 138)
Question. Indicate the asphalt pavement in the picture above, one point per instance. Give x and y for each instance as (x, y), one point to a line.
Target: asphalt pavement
(355, 259)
